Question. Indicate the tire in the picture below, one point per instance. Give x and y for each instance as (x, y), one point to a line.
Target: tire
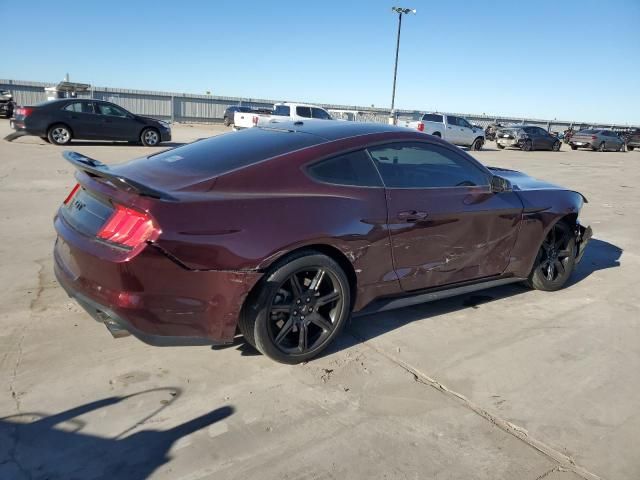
(227, 122)
(437, 134)
(276, 319)
(500, 147)
(555, 260)
(602, 147)
(556, 146)
(527, 146)
(59, 134)
(150, 137)
(621, 148)
(573, 147)
(630, 148)
(477, 144)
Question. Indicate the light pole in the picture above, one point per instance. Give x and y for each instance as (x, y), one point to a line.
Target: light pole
(400, 11)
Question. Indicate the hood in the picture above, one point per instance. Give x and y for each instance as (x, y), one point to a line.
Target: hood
(523, 182)
(148, 119)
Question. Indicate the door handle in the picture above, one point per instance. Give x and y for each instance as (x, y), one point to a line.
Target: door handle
(412, 215)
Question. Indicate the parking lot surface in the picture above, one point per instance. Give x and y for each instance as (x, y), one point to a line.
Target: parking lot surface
(506, 383)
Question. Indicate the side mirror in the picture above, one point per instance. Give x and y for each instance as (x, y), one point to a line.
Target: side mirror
(499, 185)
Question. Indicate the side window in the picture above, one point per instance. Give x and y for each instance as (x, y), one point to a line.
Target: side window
(79, 107)
(463, 123)
(422, 165)
(542, 132)
(530, 131)
(354, 168)
(111, 110)
(451, 120)
(320, 113)
(303, 112)
(432, 117)
(282, 111)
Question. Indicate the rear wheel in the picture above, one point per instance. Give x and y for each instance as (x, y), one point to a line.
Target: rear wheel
(477, 144)
(298, 308)
(527, 146)
(227, 122)
(603, 147)
(556, 146)
(555, 260)
(573, 147)
(59, 134)
(500, 147)
(150, 137)
(630, 148)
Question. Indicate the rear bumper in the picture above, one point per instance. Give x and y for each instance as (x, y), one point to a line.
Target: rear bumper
(152, 297)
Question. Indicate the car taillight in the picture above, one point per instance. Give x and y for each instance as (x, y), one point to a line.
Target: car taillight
(24, 111)
(255, 120)
(128, 227)
(71, 194)
(421, 127)
(593, 137)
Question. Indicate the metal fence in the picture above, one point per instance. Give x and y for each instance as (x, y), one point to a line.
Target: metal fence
(182, 107)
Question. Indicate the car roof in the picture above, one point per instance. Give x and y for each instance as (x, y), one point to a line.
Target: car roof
(336, 129)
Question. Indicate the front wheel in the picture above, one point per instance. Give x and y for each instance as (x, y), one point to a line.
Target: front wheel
(621, 148)
(556, 146)
(555, 260)
(227, 122)
(573, 147)
(500, 146)
(150, 137)
(603, 147)
(298, 308)
(630, 148)
(527, 146)
(477, 144)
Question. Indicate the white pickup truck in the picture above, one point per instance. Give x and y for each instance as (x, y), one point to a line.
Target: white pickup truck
(453, 129)
(282, 112)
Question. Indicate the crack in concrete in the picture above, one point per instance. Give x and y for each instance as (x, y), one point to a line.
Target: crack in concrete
(565, 462)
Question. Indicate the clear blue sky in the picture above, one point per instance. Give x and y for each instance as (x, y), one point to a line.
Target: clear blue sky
(547, 59)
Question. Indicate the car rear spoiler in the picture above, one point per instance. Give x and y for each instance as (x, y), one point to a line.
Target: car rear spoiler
(96, 168)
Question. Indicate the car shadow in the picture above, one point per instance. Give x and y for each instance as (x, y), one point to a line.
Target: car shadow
(59, 446)
(599, 255)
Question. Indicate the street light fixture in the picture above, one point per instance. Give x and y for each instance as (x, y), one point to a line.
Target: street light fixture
(400, 11)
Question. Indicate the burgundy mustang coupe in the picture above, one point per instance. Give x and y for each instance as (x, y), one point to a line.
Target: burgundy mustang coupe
(283, 232)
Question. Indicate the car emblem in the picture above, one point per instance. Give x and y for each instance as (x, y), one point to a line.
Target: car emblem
(78, 205)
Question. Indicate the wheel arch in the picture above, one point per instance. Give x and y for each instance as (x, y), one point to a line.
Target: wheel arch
(330, 251)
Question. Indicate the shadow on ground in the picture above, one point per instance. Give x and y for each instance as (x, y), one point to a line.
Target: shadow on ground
(37, 446)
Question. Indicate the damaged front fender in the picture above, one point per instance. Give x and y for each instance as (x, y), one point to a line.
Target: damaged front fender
(583, 235)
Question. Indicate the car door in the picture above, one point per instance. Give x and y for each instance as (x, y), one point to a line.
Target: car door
(467, 135)
(117, 123)
(81, 118)
(445, 223)
(453, 130)
(320, 114)
(546, 139)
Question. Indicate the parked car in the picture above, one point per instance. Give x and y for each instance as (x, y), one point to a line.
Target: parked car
(60, 121)
(490, 131)
(285, 231)
(453, 129)
(527, 138)
(231, 110)
(597, 139)
(633, 139)
(282, 112)
(6, 104)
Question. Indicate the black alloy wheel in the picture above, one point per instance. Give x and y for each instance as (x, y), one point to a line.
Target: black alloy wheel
(556, 146)
(527, 146)
(555, 260)
(298, 308)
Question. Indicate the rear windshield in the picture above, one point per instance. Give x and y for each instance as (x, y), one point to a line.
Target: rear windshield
(223, 153)
(432, 117)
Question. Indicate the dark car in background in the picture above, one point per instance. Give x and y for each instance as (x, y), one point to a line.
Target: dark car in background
(6, 104)
(231, 110)
(284, 231)
(60, 121)
(632, 139)
(597, 139)
(527, 138)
